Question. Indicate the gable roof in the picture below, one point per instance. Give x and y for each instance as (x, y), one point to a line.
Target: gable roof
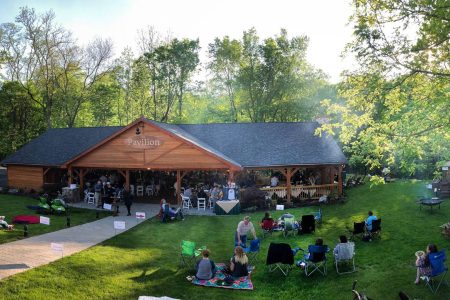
(56, 146)
(242, 144)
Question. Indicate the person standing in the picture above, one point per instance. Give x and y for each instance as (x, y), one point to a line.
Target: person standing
(98, 192)
(274, 181)
(127, 199)
(243, 228)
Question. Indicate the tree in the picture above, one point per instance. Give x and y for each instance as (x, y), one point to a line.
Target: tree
(225, 55)
(405, 37)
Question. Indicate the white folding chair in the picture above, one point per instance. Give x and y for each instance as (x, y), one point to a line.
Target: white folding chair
(201, 203)
(149, 190)
(139, 191)
(91, 198)
(186, 202)
(345, 255)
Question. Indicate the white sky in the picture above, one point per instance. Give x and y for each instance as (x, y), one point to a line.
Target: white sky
(323, 21)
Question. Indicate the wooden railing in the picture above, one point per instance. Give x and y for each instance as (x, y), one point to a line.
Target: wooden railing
(303, 191)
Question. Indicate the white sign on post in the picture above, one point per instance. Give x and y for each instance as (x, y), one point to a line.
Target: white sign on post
(140, 215)
(107, 206)
(119, 224)
(44, 220)
(280, 207)
(444, 168)
(57, 248)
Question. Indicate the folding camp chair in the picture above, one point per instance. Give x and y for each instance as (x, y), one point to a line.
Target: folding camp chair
(280, 257)
(376, 228)
(308, 224)
(289, 226)
(316, 260)
(189, 254)
(345, 255)
(438, 271)
(253, 250)
(267, 227)
(358, 229)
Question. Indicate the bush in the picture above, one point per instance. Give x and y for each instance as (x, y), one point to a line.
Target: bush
(253, 196)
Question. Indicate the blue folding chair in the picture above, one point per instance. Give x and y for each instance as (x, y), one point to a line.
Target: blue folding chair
(438, 271)
(316, 260)
(318, 216)
(253, 250)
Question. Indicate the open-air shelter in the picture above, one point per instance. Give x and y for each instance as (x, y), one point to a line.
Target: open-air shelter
(287, 147)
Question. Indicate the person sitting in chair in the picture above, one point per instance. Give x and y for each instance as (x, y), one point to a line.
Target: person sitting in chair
(170, 211)
(423, 262)
(268, 217)
(206, 269)
(239, 263)
(302, 263)
(343, 244)
(369, 220)
(4, 224)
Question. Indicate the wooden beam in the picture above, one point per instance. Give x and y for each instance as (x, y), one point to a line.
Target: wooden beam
(46, 170)
(340, 184)
(70, 174)
(288, 185)
(127, 179)
(81, 175)
(123, 173)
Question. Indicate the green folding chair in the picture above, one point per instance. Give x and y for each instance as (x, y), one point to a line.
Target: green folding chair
(189, 254)
(289, 227)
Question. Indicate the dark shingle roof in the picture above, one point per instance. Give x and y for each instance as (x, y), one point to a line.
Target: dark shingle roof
(244, 144)
(56, 146)
(269, 144)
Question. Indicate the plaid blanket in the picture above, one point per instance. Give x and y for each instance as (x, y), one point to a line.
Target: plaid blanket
(241, 283)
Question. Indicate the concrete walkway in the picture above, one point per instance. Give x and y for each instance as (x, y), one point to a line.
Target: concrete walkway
(36, 251)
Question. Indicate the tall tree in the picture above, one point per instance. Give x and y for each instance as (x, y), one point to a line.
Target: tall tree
(225, 59)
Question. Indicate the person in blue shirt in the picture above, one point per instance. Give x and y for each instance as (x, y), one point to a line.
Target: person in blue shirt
(369, 220)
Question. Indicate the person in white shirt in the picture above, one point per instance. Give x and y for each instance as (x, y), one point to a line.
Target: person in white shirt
(274, 181)
(243, 228)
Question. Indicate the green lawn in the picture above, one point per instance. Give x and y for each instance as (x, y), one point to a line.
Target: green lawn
(11, 206)
(145, 261)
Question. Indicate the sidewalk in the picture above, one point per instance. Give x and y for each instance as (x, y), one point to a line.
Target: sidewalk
(35, 251)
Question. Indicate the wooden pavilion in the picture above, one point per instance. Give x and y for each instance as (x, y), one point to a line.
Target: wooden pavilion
(149, 145)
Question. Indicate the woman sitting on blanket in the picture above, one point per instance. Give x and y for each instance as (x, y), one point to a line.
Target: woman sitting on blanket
(4, 224)
(239, 263)
(206, 269)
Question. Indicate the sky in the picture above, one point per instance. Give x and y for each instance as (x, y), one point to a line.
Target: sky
(325, 22)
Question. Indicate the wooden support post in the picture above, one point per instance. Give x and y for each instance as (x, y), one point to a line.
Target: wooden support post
(81, 175)
(127, 179)
(340, 184)
(70, 174)
(288, 185)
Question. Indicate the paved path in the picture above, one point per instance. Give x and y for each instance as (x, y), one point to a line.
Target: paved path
(35, 251)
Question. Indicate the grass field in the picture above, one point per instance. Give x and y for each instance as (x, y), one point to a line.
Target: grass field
(145, 260)
(11, 206)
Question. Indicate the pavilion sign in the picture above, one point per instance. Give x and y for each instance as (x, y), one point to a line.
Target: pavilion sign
(144, 142)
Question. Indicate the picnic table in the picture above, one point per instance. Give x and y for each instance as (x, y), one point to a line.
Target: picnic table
(430, 202)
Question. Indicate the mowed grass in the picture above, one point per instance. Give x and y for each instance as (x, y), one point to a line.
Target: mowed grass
(11, 206)
(145, 260)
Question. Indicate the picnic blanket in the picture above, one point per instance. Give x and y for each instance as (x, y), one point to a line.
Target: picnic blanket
(241, 283)
(23, 219)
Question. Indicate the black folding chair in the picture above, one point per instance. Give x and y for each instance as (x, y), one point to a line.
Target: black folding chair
(376, 228)
(358, 229)
(308, 224)
(280, 257)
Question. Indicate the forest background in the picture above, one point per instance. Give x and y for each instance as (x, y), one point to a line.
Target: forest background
(392, 111)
